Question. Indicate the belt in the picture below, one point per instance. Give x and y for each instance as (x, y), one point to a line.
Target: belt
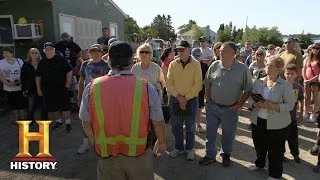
(224, 106)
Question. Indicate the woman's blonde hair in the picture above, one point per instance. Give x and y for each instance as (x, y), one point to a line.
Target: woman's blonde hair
(215, 46)
(260, 50)
(277, 59)
(145, 47)
(33, 50)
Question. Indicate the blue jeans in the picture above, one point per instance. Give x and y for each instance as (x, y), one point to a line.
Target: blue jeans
(177, 124)
(228, 119)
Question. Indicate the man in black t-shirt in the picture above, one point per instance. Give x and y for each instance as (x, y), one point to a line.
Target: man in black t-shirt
(69, 49)
(54, 75)
(103, 41)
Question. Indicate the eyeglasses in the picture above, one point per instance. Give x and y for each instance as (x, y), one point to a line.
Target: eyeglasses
(144, 52)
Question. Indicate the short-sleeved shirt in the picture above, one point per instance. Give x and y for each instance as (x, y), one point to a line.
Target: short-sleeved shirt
(90, 70)
(11, 73)
(227, 85)
(69, 50)
(292, 58)
(53, 73)
(298, 95)
(103, 40)
(155, 107)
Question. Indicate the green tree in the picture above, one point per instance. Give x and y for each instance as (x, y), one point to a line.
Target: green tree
(147, 30)
(186, 27)
(162, 26)
(196, 32)
(224, 33)
(305, 40)
(131, 27)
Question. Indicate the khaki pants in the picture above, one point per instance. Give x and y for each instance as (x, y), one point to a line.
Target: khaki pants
(126, 168)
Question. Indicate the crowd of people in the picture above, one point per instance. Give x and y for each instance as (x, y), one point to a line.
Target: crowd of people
(119, 86)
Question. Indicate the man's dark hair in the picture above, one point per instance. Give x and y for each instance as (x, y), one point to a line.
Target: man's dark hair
(8, 49)
(291, 67)
(120, 54)
(232, 45)
(105, 29)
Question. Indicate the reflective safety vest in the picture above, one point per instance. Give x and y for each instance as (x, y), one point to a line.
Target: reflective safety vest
(119, 112)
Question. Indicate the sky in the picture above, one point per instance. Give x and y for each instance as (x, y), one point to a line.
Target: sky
(290, 18)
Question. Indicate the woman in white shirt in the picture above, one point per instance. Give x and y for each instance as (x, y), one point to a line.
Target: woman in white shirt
(10, 70)
(147, 69)
(271, 117)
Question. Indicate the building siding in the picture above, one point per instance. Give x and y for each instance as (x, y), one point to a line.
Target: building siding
(88, 9)
(33, 11)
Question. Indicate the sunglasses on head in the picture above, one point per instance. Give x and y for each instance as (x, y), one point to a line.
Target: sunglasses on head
(144, 52)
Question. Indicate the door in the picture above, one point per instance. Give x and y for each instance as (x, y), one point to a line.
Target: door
(113, 30)
(67, 25)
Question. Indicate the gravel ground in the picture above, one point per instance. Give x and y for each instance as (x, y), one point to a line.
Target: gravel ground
(83, 167)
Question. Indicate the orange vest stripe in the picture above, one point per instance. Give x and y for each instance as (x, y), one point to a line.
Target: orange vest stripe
(133, 141)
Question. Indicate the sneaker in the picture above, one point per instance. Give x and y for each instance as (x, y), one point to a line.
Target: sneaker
(312, 118)
(190, 155)
(83, 148)
(226, 162)
(68, 128)
(254, 168)
(271, 178)
(314, 150)
(206, 161)
(175, 153)
(316, 169)
(56, 125)
(297, 159)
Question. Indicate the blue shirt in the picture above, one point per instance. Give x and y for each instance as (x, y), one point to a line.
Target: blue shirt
(155, 108)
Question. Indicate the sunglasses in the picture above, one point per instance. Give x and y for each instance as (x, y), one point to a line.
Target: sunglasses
(144, 52)
(181, 50)
(270, 49)
(259, 54)
(217, 48)
(34, 53)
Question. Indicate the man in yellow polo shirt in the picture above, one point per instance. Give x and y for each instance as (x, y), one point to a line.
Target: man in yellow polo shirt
(291, 56)
(184, 83)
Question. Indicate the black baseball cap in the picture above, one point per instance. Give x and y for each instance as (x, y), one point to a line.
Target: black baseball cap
(183, 44)
(120, 54)
(48, 44)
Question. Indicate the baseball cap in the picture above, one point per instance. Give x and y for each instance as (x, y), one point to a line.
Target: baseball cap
(96, 47)
(65, 36)
(48, 44)
(183, 44)
(120, 54)
(196, 52)
(111, 40)
(202, 38)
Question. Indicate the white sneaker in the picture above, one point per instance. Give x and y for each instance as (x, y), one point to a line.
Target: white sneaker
(271, 178)
(253, 168)
(190, 155)
(175, 153)
(84, 148)
(312, 118)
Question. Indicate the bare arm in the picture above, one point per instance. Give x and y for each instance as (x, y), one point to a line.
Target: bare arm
(38, 83)
(244, 98)
(80, 87)
(3, 80)
(69, 79)
(160, 130)
(208, 93)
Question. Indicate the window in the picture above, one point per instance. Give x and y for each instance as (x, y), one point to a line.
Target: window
(85, 32)
(113, 29)
(6, 30)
